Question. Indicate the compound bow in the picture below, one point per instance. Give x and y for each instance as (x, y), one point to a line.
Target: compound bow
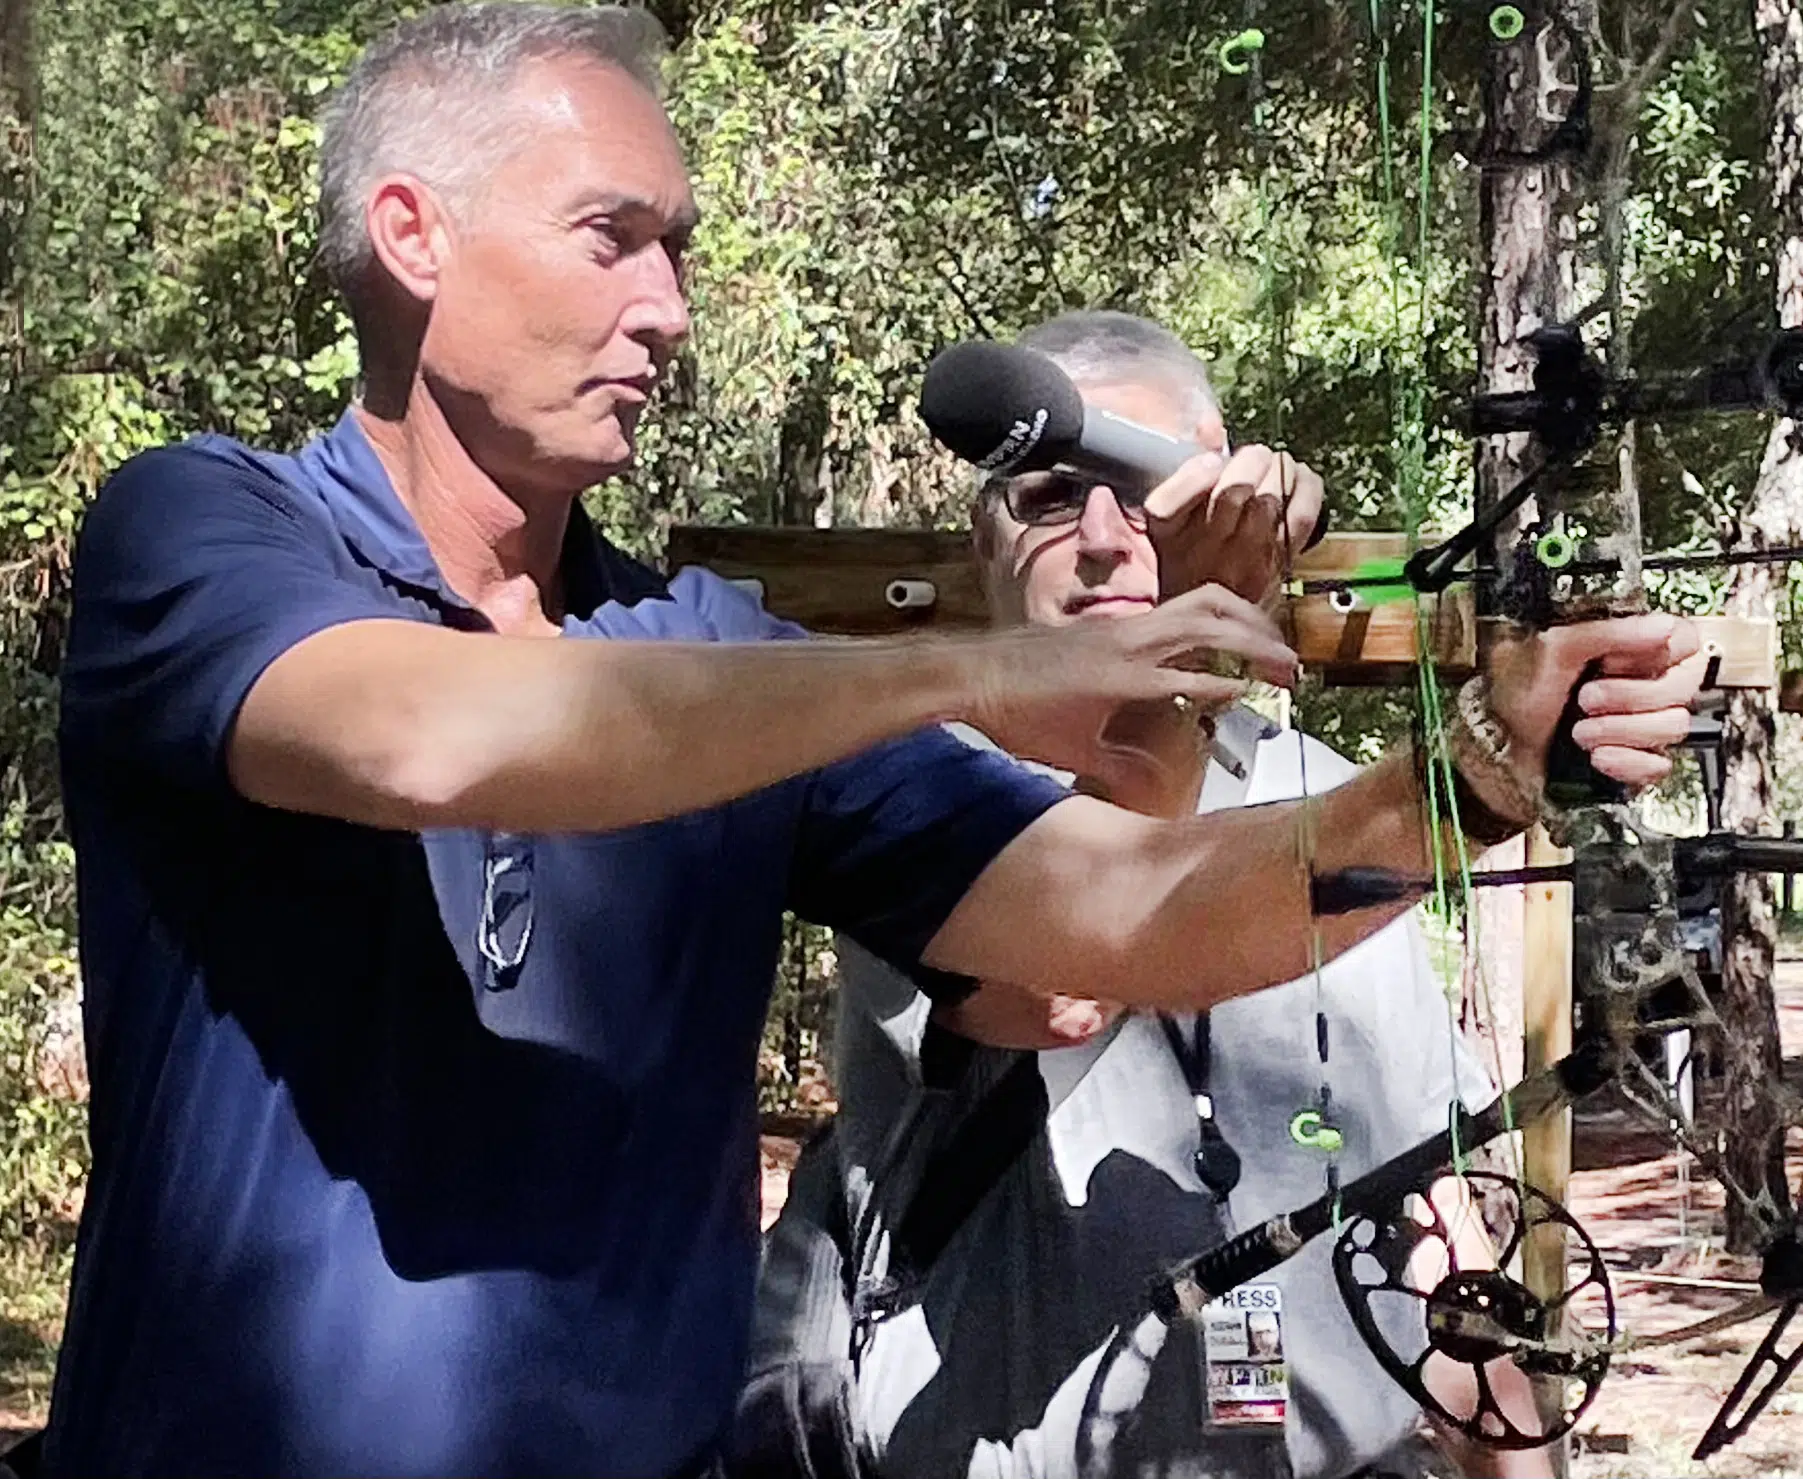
(1578, 558)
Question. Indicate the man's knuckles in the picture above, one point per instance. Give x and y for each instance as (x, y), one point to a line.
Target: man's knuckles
(1187, 490)
(1655, 730)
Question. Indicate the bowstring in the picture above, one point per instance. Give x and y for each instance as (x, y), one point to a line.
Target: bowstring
(1278, 349)
(1453, 893)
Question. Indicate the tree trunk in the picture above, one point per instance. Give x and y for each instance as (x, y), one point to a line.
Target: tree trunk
(17, 74)
(1528, 233)
(795, 974)
(18, 106)
(803, 497)
(804, 473)
(1750, 1055)
(1527, 227)
(1752, 1061)
(1528, 230)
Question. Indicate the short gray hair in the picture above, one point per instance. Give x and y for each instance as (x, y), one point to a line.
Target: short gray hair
(1104, 345)
(427, 99)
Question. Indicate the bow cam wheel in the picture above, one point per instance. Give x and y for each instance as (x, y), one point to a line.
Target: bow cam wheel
(1468, 1320)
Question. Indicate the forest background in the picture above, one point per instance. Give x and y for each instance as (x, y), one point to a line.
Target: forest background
(880, 178)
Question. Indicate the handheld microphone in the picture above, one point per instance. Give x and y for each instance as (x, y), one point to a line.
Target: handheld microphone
(1012, 410)
(1009, 410)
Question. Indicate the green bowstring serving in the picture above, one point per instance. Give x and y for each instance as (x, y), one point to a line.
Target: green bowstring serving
(1242, 55)
(1381, 582)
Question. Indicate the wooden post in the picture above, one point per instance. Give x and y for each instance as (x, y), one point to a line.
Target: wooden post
(1546, 1037)
(843, 582)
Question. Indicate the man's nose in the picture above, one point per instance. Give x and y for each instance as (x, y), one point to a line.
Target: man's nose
(659, 311)
(1103, 529)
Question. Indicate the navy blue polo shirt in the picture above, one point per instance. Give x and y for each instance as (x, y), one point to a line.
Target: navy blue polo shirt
(423, 1154)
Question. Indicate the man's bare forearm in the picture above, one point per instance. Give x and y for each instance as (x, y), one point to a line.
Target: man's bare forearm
(1453, 1384)
(400, 725)
(1247, 884)
(1092, 900)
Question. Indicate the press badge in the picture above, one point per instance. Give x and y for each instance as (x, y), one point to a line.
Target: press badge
(1245, 1370)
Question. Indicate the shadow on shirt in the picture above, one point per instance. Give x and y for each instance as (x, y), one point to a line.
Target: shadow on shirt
(1011, 1330)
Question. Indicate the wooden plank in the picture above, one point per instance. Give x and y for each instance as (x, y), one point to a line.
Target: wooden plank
(1380, 644)
(1337, 554)
(838, 582)
(1341, 553)
(1546, 1014)
(1790, 691)
(1747, 647)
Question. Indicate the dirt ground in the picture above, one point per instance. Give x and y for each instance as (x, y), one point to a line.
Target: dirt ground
(1631, 1195)
(1659, 1234)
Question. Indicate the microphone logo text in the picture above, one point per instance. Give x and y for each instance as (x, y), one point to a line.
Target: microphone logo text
(1022, 438)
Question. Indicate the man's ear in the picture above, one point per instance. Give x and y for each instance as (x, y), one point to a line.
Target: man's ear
(1211, 430)
(410, 234)
(982, 539)
(986, 548)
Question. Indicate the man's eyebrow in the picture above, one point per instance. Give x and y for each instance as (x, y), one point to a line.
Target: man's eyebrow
(614, 202)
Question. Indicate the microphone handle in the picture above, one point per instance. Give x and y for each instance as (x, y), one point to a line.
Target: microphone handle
(1111, 446)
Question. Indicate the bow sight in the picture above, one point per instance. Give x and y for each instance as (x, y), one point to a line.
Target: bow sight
(1572, 400)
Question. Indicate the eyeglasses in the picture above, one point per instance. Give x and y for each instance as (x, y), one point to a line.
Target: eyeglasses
(1039, 499)
(505, 929)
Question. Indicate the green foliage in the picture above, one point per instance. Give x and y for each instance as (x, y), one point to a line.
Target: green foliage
(156, 231)
(880, 178)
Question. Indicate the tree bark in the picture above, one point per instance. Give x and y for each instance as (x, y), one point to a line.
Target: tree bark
(1528, 233)
(1752, 1060)
(18, 76)
(18, 109)
(1528, 230)
(803, 471)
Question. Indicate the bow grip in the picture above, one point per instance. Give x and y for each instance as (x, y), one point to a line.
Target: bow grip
(1571, 780)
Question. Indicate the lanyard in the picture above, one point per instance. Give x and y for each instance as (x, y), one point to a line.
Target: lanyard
(1217, 1163)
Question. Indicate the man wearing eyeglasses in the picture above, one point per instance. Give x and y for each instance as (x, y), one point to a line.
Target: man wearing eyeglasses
(1007, 1170)
(426, 952)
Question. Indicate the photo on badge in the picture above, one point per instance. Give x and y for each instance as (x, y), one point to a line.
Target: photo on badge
(1247, 1381)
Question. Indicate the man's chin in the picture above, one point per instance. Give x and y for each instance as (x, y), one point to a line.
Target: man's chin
(606, 457)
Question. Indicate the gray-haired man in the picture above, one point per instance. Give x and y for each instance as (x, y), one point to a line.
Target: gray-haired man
(1141, 1138)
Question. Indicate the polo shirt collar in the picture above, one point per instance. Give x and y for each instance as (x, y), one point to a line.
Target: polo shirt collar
(344, 468)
